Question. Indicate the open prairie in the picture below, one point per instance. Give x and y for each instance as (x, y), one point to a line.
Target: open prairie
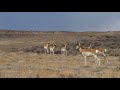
(22, 55)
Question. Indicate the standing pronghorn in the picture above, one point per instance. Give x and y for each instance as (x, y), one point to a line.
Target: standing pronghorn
(90, 52)
(64, 49)
(52, 49)
(46, 48)
(78, 45)
(101, 51)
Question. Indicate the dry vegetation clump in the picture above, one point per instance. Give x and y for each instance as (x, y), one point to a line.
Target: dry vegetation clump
(35, 49)
(71, 49)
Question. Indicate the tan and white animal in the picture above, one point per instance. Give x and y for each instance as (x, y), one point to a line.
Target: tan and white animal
(46, 48)
(90, 52)
(64, 50)
(52, 49)
(102, 51)
(78, 45)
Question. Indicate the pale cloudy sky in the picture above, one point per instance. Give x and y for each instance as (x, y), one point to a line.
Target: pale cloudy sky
(60, 21)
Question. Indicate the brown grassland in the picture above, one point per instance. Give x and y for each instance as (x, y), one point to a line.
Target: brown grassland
(22, 55)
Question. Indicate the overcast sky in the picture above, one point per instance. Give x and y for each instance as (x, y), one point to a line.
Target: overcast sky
(58, 21)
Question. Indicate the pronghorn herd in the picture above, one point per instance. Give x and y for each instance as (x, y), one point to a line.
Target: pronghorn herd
(85, 52)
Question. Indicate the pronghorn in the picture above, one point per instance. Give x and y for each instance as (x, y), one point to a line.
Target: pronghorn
(102, 51)
(90, 47)
(98, 51)
(78, 46)
(64, 49)
(52, 49)
(46, 48)
(90, 52)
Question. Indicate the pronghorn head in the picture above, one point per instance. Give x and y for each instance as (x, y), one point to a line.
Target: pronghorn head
(79, 43)
(66, 44)
(90, 46)
(55, 45)
(77, 47)
(48, 43)
(80, 49)
(105, 50)
(97, 51)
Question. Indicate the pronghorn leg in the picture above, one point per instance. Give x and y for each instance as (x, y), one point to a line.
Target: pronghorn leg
(61, 52)
(66, 53)
(105, 57)
(47, 51)
(95, 56)
(85, 60)
(107, 61)
(98, 59)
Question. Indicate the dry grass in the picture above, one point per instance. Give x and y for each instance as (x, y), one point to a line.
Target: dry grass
(31, 64)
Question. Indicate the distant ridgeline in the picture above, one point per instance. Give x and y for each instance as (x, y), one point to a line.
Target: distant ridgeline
(31, 31)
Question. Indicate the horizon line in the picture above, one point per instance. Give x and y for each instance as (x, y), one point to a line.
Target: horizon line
(54, 31)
